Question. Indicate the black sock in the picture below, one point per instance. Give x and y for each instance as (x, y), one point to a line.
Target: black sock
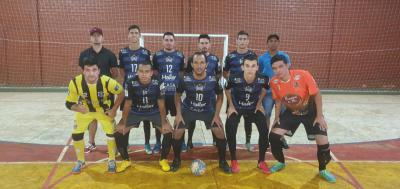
(276, 147)
(166, 145)
(177, 145)
(192, 126)
(324, 156)
(221, 145)
(158, 136)
(247, 129)
(122, 144)
(146, 129)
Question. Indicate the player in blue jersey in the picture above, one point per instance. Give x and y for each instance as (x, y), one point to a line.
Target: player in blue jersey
(245, 91)
(266, 69)
(199, 89)
(129, 59)
(213, 68)
(233, 63)
(169, 64)
(144, 101)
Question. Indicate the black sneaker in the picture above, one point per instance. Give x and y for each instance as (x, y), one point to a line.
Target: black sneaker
(176, 164)
(224, 166)
(284, 143)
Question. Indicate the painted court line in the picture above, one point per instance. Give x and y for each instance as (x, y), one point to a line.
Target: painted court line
(55, 167)
(347, 171)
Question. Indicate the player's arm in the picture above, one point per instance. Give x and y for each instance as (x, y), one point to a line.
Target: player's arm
(165, 126)
(218, 69)
(259, 106)
(114, 66)
(226, 67)
(315, 93)
(121, 67)
(228, 94)
(115, 88)
(220, 97)
(264, 89)
(182, 66)
(72, 100)
(155, 65)
(178, 103)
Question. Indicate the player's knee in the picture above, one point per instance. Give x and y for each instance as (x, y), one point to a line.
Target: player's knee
(77, 136)
(219, 134)
(275, 139)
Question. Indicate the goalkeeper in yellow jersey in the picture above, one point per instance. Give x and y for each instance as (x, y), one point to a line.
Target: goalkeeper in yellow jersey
(89, 96)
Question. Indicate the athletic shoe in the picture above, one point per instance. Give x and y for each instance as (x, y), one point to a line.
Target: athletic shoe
(235, 166)
(224, 166)
(164, 165)
(249, 147)
(90, 147)
(78, 167)
(124, 165)
(328, 176)
(184, 147)
(263, 167)
(157, 148)
(112, 166)
(277, 167)
(176, 164)
(147, 149)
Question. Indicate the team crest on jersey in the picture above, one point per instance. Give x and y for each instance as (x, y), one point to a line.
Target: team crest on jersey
(134, 58)
(296, 84)
(169, 59)
(116, 88)
(154, 82)
(100, 94)
(187, 78)
(212, 78)
(135, 83)
(200, 86)
(248, 89)
(85, 95)
(145, 52)
(260, 80)
(237, 80)
(276, 81)
(297, 77)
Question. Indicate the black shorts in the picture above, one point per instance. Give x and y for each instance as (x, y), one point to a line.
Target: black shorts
(170, 105)
(135, 119)
(189, 116)
(250, 116)
(291, 122)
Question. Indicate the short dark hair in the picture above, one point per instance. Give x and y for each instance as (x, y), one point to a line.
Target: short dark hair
(204, 36)
(168, 33)
(89, 61)
(250, 57)
(273, 35)
(145, 63)
(277, 58)
(200, 54)
(134, 27)
(242, 33)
